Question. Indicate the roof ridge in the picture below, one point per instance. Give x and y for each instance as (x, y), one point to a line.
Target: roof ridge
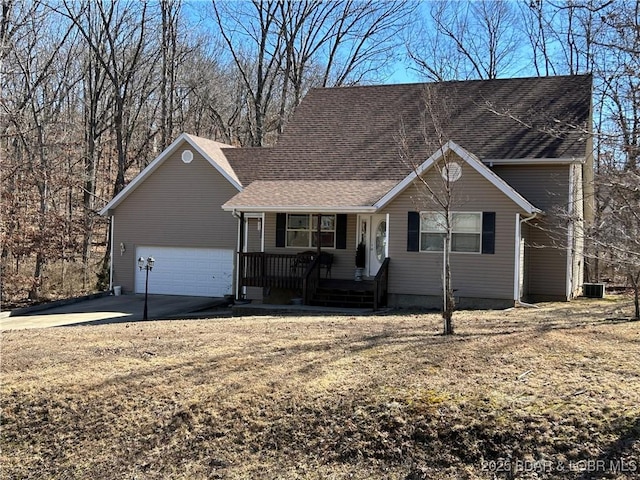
(451, 82)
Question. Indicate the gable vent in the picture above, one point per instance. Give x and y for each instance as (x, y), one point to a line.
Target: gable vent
(187, 156)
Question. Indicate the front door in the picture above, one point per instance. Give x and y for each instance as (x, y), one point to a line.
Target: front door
(377, 243)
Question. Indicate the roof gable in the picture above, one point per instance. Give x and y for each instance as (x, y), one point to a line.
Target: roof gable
(472, 161)
(210, 150)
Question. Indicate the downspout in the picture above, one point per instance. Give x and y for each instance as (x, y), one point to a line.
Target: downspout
(111, 256)
(516, 287)
(239, 249)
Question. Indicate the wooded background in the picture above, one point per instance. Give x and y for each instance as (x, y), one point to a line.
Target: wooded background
(93, 90)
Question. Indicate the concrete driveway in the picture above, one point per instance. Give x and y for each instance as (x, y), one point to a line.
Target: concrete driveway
(110, 309)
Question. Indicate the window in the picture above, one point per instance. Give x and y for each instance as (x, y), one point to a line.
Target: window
(302, 231)
(466, 229)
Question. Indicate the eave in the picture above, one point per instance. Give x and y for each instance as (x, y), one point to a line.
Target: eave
(471, 160)
(533, 161)
(108, 209)
(301, 209)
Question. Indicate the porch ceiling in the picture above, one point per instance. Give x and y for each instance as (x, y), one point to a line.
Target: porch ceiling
(320, 196)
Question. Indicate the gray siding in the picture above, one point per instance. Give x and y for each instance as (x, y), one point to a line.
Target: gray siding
(547, 187)
(254, 244)
(178, 205)
(489, 276)
(474, 275)
(343, 260)
(254, 235)
(546, 265)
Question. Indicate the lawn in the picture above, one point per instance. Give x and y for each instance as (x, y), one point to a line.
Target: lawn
(550, 392)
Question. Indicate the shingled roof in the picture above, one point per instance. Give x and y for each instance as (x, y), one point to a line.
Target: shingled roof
(354, 132)
(248, 162)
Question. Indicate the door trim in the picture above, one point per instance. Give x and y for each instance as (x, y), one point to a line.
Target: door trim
(366, 231)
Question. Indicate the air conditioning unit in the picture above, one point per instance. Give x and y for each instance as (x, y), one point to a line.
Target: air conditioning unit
(593, 290)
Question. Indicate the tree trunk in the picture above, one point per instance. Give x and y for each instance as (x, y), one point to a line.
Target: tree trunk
(43, 191)
(449, 300)
(635, 282)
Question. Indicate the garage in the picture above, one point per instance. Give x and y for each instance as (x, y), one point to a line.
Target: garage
(200, 272)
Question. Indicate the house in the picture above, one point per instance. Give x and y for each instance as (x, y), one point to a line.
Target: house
(366, 164)
(171, 211)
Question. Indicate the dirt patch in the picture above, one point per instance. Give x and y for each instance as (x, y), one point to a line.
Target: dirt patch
(552, 392)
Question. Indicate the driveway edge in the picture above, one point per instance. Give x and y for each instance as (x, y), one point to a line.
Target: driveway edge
(56, 303)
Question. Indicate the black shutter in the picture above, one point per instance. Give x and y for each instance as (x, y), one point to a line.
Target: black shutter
(413, 232)
(281, 229)
(341, 231)
(489, 232)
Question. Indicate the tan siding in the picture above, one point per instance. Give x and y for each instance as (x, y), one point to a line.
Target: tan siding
(177, 205)
(343, 260)
(547, 187)
(254, 244)
(474, 275)
(254, 235)
(546, 265)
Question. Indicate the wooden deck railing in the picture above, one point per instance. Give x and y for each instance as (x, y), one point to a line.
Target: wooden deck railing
(276, 270)
(381, 285)
(291, 271)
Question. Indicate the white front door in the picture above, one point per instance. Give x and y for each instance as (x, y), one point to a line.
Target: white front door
(376, 243)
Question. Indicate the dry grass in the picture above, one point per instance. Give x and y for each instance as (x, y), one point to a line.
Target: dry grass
(538, 392)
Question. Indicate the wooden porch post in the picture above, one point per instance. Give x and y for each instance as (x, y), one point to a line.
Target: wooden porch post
(241, 259)
(318, 229)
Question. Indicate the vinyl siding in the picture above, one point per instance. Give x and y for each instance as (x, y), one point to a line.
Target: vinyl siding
(254, 235)
(547, 187)
(474, 275)
(254, 244)
(546, 265)
(177, 205)
(343, 260)
(488, 276)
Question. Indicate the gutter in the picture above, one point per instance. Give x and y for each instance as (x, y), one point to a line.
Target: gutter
(301, 209)
(533, 161)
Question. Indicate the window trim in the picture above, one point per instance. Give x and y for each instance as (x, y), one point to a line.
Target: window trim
(311, 231)
(453, 232)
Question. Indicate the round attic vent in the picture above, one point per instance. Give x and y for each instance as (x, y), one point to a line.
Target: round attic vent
(187, 156)
(452, 171)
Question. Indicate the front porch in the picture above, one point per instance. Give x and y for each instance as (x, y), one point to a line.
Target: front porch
(309, 274)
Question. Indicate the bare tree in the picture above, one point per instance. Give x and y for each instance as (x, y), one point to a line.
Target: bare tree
(618, 230)
(282, 48)
(117, 36)
(465, 40)
(37, 89)
(436, 190)
(362, 39)
(250, 32)
(120, 62)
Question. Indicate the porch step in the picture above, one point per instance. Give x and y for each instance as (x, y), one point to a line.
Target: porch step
(331, 297)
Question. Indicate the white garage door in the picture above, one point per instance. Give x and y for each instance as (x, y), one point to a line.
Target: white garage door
(201, 272)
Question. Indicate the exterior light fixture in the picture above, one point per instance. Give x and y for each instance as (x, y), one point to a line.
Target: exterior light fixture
(148, 266)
